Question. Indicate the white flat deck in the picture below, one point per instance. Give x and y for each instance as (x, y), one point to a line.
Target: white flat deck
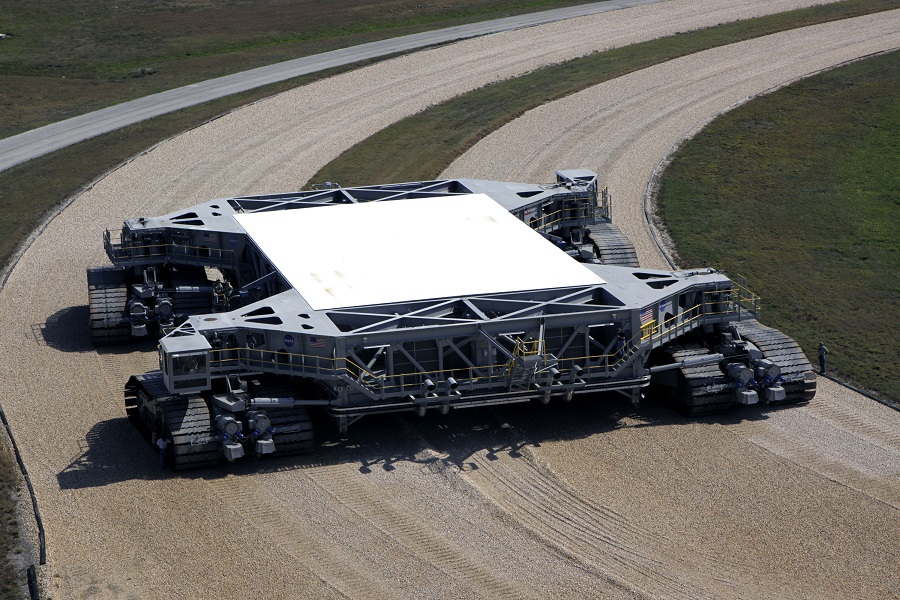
(404, 250)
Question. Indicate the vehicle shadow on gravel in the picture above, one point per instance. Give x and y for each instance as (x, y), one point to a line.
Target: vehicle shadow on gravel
(68, 330)
(114, 451)
(453, 439)
(450, 441)
(65, 330)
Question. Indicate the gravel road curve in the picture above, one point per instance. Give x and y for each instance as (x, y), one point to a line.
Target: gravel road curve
(43, 140)
(584, 501)
(841, 453)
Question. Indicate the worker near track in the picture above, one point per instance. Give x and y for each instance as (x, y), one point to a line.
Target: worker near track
(163, 444)
(822, 352)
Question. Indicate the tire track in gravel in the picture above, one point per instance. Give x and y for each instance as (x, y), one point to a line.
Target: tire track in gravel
(595, 536)
(854, 442)
(878, 433)
(298, 540)
(118, 365)
(354, 529)
(414, 537)
(810, 455)
(588, 533)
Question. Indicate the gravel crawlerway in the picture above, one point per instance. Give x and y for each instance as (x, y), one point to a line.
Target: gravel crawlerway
(801, 502)
(603, 507)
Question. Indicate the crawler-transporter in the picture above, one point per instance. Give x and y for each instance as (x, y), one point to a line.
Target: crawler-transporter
(418, 296)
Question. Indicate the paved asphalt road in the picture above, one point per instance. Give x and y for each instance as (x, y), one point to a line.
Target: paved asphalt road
(43, 140)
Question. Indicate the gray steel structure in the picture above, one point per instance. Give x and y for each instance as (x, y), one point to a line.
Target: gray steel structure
(238, 377)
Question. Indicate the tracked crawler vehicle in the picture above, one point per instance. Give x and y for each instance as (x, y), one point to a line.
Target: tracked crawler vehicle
(162, 268)
(413, 297)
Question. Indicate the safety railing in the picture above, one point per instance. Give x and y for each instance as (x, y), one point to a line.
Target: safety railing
(484, 377)
(746, 300)
(378, 385)
(717, 305)
(604, 204)
(584, 211)
(731, 302)
(527, 347)
(232, 360)
(649, 329)
(522, 349)
(381, 385)
(655, 332)
(163, 252)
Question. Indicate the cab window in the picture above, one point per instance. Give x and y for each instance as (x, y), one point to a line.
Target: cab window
(188, 364)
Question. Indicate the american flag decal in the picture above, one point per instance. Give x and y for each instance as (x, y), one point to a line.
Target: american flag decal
(647, 314)
(316, 342)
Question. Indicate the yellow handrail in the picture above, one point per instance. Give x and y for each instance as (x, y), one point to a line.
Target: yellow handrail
(408, 380)
(319, 364)
(527, 347)
(648, 329)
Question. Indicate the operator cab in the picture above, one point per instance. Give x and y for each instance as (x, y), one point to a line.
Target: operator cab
(184, 361)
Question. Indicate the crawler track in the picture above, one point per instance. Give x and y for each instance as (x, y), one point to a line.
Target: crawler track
(108, 296)
(799, 378)
(187, 423)
(704, 389)
(293, 430)
(293, 427)
(611, 245)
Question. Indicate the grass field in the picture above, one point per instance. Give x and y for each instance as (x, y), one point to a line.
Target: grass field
(68, 57)
(800, 192)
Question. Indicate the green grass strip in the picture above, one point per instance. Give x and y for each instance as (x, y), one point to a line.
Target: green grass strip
(422, 146)
(64, 58)
(10, 585)
(800, 191)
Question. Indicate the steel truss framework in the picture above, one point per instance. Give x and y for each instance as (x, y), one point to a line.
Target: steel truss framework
(494, 307)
